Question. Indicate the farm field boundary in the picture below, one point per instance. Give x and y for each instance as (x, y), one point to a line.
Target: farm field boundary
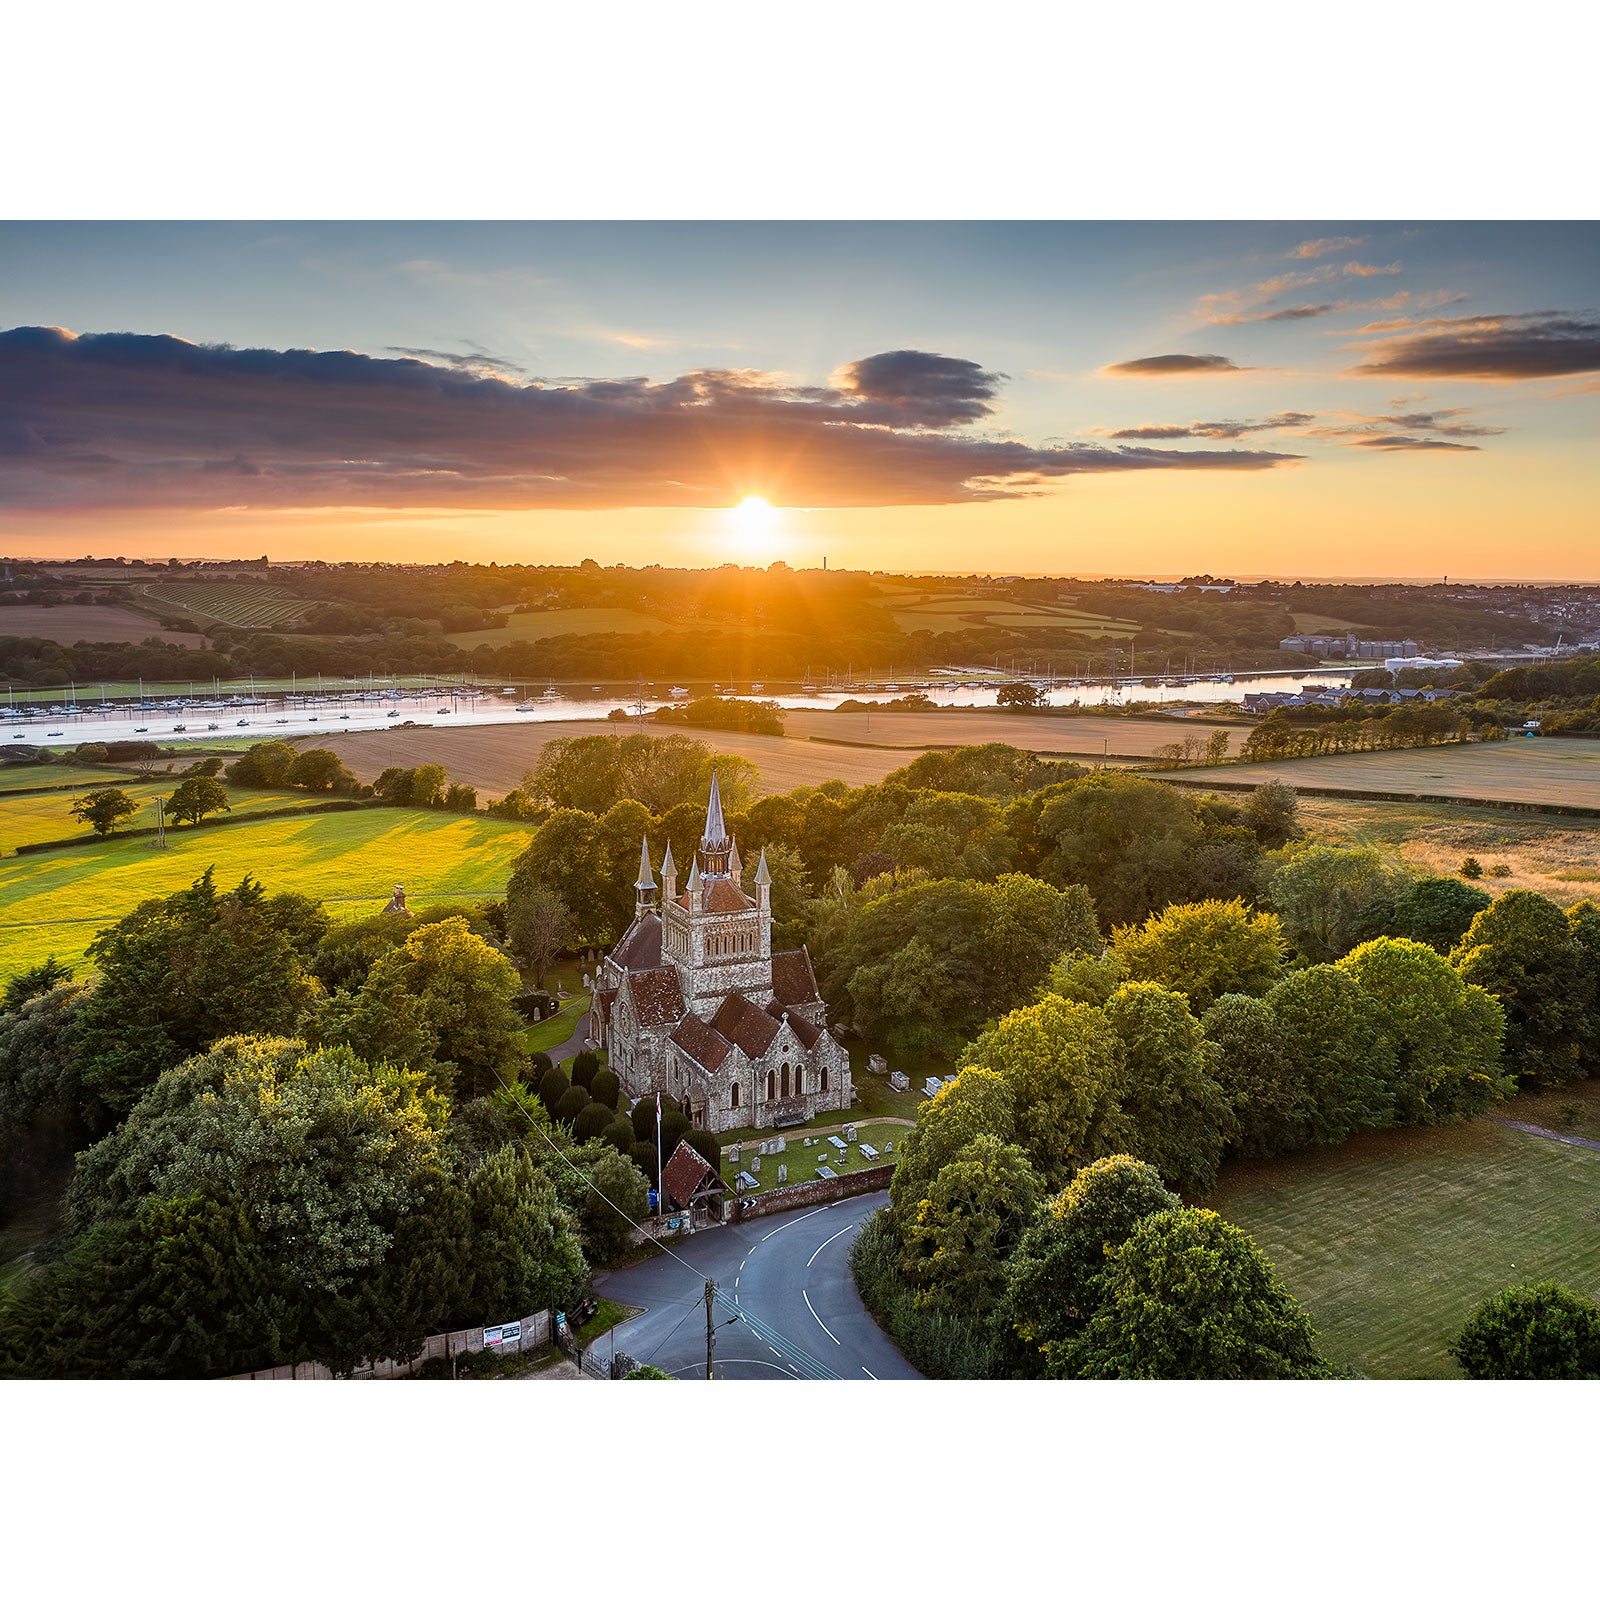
(1403, 796)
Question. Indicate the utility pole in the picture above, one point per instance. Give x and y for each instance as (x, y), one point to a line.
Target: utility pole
(711, 1328)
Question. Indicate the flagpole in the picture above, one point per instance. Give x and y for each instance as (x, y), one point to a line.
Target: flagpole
(661, 1193)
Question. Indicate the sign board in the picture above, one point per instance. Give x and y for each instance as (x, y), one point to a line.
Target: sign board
(508, 1336)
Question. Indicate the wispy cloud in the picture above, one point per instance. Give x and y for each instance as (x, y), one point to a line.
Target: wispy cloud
(1508, 347)
(1405, 441)
(132, 420)
(1216, 430)
(473, 359)
(1173, 366)
(1310, 249)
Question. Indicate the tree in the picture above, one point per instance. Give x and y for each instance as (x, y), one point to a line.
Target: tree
(33, 982)
(606, 1088)
(538, 925)
(1522, 950)
(463, 989)
(525, 1255)
(178, 973)
(1128, 839)
(1178, 1115)
(585, 1065)
(1055, 1278)
(978, 1102)
(1331, 898)
(572, 1104)
(791, 893)
(461, 797)
(196, 798)
(1205, 949)
(1337, 1052)
(1192, 1296)
(264, 766)
(1535, 1330)
(319, 771)
(592, 1121)
(1063, 1064)
(1438, 912)
(565, 856)
(104, 810)
(428, 784)
(1271, 1103)
(1446, 1033)
(615, 1197)
(1273, 812)
(967, 1224)
(552, 1086)
(1019, 696)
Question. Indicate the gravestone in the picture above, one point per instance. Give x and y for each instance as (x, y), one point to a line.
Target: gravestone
(850, 1132)
(755, 1163)
(783, 1174)
(779, 1146)
(877, 1064)
(826, 1172)
(735, 1156)
(898, 1080)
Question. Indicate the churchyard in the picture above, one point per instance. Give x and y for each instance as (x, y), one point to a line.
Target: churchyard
(818, 1150)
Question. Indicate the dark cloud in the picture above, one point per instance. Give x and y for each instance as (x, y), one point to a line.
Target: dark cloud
(1310, 249)
(474, 359)
(1286, 314)
(912, 388)
(1403, 441)
(149, 420)
(1171, 366)
(1511, 347)
(1215, 430)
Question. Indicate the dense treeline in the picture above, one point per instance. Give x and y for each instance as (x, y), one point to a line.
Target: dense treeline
(295, 1141)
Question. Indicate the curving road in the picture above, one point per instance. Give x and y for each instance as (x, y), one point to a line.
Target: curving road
(787, 1305)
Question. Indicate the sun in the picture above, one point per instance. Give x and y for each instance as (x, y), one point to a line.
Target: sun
(755, 528)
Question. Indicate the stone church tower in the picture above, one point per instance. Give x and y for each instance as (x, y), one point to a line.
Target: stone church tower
(694, 1002)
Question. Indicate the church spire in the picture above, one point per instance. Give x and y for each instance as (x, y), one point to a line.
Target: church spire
(644, 885)
(714, 845)
(735, 865)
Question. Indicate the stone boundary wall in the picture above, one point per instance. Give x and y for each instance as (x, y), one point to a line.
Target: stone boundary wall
(818, 1192)
(436, 1347)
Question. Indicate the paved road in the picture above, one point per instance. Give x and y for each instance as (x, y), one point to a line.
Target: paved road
(787, 1305)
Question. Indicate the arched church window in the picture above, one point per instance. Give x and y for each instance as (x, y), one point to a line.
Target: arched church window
(733, 1098)
(772, 1086)
(786, 1080)
(823, 1082)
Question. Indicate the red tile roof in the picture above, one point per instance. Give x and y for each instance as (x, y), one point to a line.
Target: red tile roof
(793, 981)
(701, 1042)
(747, 1025)
(687, 1173)
(725, 895)
(640, 947)
(658, 995)
(806, 1032)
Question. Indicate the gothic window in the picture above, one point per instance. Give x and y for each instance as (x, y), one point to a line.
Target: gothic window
(733, 1098)
(772, 1086)
(799, 1079)
(823, 1082)
(786, 1080)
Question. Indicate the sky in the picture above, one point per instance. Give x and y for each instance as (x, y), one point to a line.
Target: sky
(1312, 399)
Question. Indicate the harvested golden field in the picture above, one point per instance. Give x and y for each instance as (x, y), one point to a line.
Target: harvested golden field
(1059, 735)
(70, 624)
(1555, 856)
(1532, 771)
(493, 759)
(871, 744)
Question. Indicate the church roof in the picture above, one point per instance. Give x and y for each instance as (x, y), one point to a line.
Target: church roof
(701, 1042)
(746, 1025)
(658, 995)
(725, 895)
(793, 981)
(806, 1032)
(640, 947)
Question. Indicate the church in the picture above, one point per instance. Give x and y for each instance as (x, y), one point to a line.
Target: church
(694, 1002)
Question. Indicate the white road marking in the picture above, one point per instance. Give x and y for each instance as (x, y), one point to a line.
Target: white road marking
(736, 1283)
(781, 1226)
(820, 1323)
(795, 1371)
(872, 1375)
(745, 1263)
(826, 1242)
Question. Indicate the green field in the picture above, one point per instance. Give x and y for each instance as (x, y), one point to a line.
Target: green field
(239, 605)
(33, 818)
(54, 902)
(1391, 1240)
(523, 626)
(950, 614)
(27, 776)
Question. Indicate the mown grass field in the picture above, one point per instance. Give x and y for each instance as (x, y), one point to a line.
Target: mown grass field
(917, 613)
(523, 626)
(1555, 856)
(240, 605)
(31, 777)
(70, 624)
(54, 902)
(1534, 771)
(32, 818)
(1391, 1240)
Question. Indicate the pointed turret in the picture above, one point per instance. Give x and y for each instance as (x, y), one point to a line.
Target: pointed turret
(644, 886)
(763, 883)
(693, 886)
(714, 845)
(669, 875)
(735, 865)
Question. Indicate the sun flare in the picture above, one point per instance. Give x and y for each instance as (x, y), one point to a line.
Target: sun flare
(755, 528)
